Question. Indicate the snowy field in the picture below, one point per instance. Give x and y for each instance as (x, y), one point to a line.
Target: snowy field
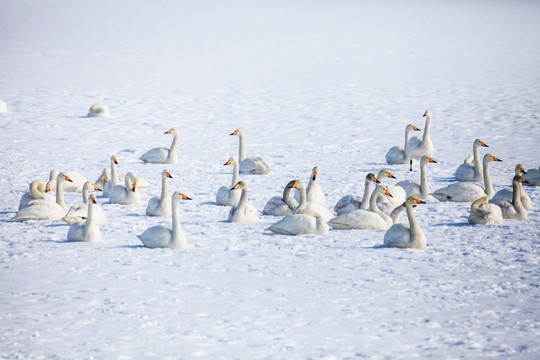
(328, 83)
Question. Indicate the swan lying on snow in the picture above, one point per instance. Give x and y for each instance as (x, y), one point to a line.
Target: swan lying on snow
(225, 194)
(86, 230)
(482, 212)
(161, 206)
(159, 236)
(309, 208)
(507, 193)
(471, 170)
(350, 203)
(412, 188)
(514, 209)
(281, 205)
(314, 191)
(533, 177)
(126, 194)
(98, 110)
(396, 154)
(79, 212)
(163, 155)
(406, 236)
(252, 165)
(417, 148)
(243, 211)
(36, 192)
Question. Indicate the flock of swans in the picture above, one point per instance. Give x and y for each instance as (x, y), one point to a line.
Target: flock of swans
(305, 212)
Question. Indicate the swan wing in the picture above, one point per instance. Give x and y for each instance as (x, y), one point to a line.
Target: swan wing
(157, 236)
(396, 155)
(254, 165)
(295, 224)
(467, 172)
(359, 219)
(156, 155)
(276, 207)
(347, 204)
(399, 235)
(459, 192)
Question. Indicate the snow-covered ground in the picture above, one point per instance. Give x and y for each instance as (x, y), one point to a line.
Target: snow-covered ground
(328, 83)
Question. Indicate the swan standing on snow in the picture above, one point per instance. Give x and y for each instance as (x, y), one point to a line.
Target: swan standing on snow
(412, 188)
(417, 148)
(36, 192)
(373, 219)
(309, 208)
(466, 191)
(225, 195)
(350, 203)
(159, 236)
(396, 154)
(126, 194)
(314, 191)
(79, 212)
(103, 179)
(281, 205)
(163, 155)
(507, 194)
(482, 212)
(514, 209)
(76, 184)
(243, 211)
(387, 204)
(161, 206)
(252, 165)
(43, 209)
(533, 177)
(98, 110)
(88, 230)
(471, 171)
(407, 236)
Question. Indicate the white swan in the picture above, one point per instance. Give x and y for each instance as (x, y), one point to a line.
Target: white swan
(226, 196)
(295, 224)
(482, 212)
(394, 215)
(115, 178)
(533, 177)
(396, 154)
(42, 209)
(79, 212)
(36, 191)
(3, 106)
(350, 203)
(314, 191)
(514, 209)
(243, 211)
(99, 110)
(407, 236)
(281, 205)
(373, 219)
(88, 230)
(103, 179)
(412, 188)
(417, 148)
(161, 206)
(126, 194)
(471, 171)
(466, 191)
(385, 203)
(163, 155)
(309, 208)
(507, 193)
(76, 184)
(252, 165)
(159, 236)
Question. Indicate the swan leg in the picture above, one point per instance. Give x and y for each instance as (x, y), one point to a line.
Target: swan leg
(410, 166)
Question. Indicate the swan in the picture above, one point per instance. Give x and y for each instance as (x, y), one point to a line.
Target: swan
(126, 194)
(79, 212)
(514, 209)
(417, 148)
(3, 107)
(387, 204)
(161, 206)
(394, 215)
(412, 188)
(243, 211)
(98, 110)
(115, 178)
(226, 196)
(314, 191)
(349, 203)
(36, 191)
(76, 184)
(533, 177)
(281, 205)
(482, 212)
(506, 193)
(406, 236)
(252, 165)
(163, 155)
(309, 208)
(466, 191)
(373, 219)
(295, 224)
(103, 179)
(396, 154)
(43, 209)
(88, 230)
(159, 236)
(471, 171)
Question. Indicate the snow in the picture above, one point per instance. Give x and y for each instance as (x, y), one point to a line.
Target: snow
(311, 83)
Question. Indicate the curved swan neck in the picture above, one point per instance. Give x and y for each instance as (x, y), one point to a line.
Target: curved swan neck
(394, 215)
(367, 196)
(427, 128)
(424, 186)
(236, 172)
(177, 237)
(414, 228)
(488, 187)
(172, 150)
(242, 147)
(34, 190)
(287, 197)
(373, 205)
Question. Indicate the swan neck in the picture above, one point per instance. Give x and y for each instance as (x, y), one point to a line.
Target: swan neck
(60, 193)
(85, 192)
(516, 197)
(91, 215)
(114, 174)
(488, 186)
(236, 173)
(367, 196)
(476, 157)
(394, 215)
(172, 150)
(413, 226)
(177, 236)
(374, 208)
(303, 200)
(407, 135)
(242, 203)
(242, 147)
(164, 189)
(427, 128)
(424, 186)
(34, 191)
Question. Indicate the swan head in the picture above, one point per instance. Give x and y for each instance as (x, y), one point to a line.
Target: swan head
(479, 142)
(488, 158)
(166, 174)
(171, 131)
(237, 132)
(114, 160)
(519, 179)
(314, 173)
(426, 159)
(106, 174)
(372, 178)
(131, 181)
(385, 173)
(92, 199)
(412, 127)
(177, 195)
(384, 190)
(232, 160)
(520, 169)
(411, 200)
(239, 185)
(427, 113)
(299, 184)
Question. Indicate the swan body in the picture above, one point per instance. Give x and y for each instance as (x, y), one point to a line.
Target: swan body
(385, 203)
(406, 236)
(396, 154)
(412, 188)
(75, 185)
(350, 203)
(243, 211)
(43, 209)
(295, 224)
(472, 171)
(466, 191)
(309, 208)
(163, 155)
(3, 106)
(104, 178)
(533, 177)
(225, 195)
(161, 206)
(506, 193)
(416, 147)
(98, 110)
(160, 236)
(36, 192)
(373, 219)
(314, 191)
(126, 194)
(514, 209)
(482, 212)
(251, 165)
(281, 205)
(79, 212)
(88, 230)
